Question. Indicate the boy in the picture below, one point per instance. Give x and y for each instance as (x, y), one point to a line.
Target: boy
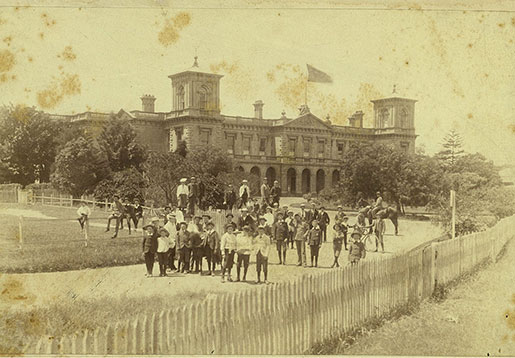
(182, 194)
(184, 247)
(138, 213)
(196, 231)
(292, 227)
(357, 249)
(380, 228)
(212, 247)
(116, 213)
(149, 247)
(345, 228)
(229, 220)
(337, 243)
(163, 245)
(280, 234)
(228, 248)
(262, 244)
(171, 227)
(338, 218)
(243, 248)
(315, 240)
(263, 222)
(300, 240)
(83, 212)
(323, 222)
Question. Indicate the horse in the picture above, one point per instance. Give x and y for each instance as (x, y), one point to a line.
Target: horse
(387, 213)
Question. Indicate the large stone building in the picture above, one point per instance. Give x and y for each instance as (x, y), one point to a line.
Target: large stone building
(304, 153)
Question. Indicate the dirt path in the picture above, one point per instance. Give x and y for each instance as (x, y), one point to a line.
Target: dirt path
(477, 319)
(26, 290)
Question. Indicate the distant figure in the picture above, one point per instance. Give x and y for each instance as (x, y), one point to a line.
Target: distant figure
(275, 193)
(138, 213)
(265, 192)
(229, 198)
(379, 200)
(83, 212)
(182, 194)
(192, 195)
(262, 248)
(117, 213)
(357, 248)
(244, 193)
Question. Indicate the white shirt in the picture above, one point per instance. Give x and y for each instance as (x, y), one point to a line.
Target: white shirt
(242, 189)
(179, 215)
(269, 218)
(262, 244)
(182, 189)
(172, 229)
(192, 227)
(228, 241)
(243, 244)
(84, 210)
(163, 244)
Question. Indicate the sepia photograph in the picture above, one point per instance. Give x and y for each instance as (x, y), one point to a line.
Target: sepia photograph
(257, 178)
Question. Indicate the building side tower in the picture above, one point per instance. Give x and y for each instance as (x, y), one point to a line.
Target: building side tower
(195, 92)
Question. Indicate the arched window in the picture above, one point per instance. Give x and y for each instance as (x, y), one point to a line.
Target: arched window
(203, 97)
(180, 98)
(383, 118)
(404, 118)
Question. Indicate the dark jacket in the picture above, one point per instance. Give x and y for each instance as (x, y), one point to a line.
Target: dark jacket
(280, 231)
(183, 239)
(323, 219)
(247, 221)
(356, 251)
(150, 241)
(230, 196)
(315, 236)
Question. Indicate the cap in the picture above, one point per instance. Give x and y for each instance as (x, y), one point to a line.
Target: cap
(339, 207)
(246, 228)
(230, 225)
(262, 218)
(210, 223)
(244, 181)
(276, 182)
(322, 208)
(229, 214)
(183, 180)
(302, 205)
(314, 221)
(148, 227)
(183, 223)
(206, 216)
(192, 177)
(355, 232)
(280, 213)
(336, 226)
(276, 204)
(261, 227)
(197, 217)
(155, 218)
(290, 212)
(244, 209)
(170, 216)
(164, 231)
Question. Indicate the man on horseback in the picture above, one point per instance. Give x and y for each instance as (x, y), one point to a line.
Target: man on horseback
(379, 200)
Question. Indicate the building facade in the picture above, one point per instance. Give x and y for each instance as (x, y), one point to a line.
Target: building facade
(303, 153)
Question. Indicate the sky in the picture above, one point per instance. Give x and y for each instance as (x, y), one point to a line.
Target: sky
(458, 65)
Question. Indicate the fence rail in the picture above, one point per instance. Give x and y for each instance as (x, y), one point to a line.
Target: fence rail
(289, 317)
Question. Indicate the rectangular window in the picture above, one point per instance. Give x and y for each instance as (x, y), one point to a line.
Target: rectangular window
(246, 145)
(178, 133)
(204, 136)
(307, 147)
(230, 143)
(262, 145)
(340, 147)
(405, 147)
(321, 148)
(292, 146)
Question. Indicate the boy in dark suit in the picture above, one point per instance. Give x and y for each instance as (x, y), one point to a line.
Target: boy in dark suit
(149, 247)
(280, 234)
(323, 221)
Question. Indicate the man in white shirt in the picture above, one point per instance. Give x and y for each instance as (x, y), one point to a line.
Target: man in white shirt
(182, 194)
(265, 192)
(243, 249)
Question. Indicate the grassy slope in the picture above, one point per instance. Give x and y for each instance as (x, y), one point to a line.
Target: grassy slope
(477, 318)
(58, 245)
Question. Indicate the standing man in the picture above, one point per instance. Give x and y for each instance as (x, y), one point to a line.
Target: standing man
(192, 195)
(338, 218)
(323, 222)
(300, 240)
(305, 214)
(118, 211)
(265, 193)
(83, 212)
(229, 198)
(275, 193)
(246, 220)
(262, 244)
(184, 247)
(182, 194)
(228, 248)
(244, 193)
(138, 213)
(201, 194)
(379, 200)
(243, 249)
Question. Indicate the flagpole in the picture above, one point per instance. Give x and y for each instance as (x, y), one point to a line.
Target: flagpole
(306, 93)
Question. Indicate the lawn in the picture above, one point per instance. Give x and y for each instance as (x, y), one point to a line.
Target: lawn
(58, 245)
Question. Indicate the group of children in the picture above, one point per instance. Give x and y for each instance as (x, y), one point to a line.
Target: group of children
(187, 240)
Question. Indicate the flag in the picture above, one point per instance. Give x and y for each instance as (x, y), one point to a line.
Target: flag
(315, 75)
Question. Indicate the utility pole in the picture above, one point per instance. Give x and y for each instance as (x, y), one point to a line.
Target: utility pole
(453, 219)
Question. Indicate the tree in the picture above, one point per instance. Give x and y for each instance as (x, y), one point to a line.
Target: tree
(28, 144)
(118, 141)
(453, 149)
(163, 172)
(128, 184)
(79, 167)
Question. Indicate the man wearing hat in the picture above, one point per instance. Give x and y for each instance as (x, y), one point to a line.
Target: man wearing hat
(171, 227)
(262, 243)
(83, 213)
(138, 213)
(301, 234)
(243, 249)
(117, 212)
(292, 226)
(228, 248)
(275, 193)
(265, 192)
(280, 234)
(338, 218)
(149, 245)
(262, 221)
(323, 221)
(269, 216)
(379, 200)
(229, 197)
(315, 241)
(182, 194)
(244, 193)
(192, 195)
(305, 214)
(229, 219)
(357, 248)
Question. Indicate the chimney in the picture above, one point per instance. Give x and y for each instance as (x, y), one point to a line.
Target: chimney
(356, 120)
(147, 103)
(258, 109)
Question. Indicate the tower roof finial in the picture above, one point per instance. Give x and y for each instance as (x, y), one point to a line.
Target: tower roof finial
(195, 63)
(394, 89)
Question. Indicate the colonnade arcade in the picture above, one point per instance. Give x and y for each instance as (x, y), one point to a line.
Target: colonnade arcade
(295, 180)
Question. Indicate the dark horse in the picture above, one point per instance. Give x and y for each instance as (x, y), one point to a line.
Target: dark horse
(387, 213)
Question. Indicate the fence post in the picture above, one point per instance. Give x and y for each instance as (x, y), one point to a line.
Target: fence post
(105, 205)
(71, 200)
(86, 231)
(20, 231)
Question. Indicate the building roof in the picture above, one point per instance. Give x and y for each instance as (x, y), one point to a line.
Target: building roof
(196, 68)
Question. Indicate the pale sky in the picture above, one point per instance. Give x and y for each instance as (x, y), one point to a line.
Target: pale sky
(458, 65)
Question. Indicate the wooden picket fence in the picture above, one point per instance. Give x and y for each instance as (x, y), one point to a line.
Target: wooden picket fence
(289, 317)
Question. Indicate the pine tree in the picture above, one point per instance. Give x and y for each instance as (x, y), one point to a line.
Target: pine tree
(453, 149)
